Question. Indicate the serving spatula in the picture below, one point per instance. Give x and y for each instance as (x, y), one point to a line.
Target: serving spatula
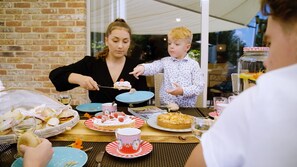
(99, 157)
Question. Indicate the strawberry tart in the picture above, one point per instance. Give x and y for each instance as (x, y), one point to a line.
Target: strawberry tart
(113, 121)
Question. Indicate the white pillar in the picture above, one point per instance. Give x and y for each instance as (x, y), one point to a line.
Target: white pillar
(121, 7)
(204, 4)
(88, 27)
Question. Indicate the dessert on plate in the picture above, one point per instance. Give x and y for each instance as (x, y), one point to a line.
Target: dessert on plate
(113, 121)
(175, 120)
(122, 85)
(172, 107)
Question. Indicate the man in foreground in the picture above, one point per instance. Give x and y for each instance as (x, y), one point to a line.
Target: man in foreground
(258, 127)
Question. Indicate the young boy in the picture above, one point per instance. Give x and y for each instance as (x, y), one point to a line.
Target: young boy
(183, 78)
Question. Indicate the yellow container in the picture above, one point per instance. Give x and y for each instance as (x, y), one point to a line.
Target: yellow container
(251, 65)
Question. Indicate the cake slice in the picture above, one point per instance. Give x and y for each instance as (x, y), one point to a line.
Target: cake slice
(122, 85)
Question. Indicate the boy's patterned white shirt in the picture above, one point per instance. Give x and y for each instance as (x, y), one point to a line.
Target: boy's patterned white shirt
(185, 72)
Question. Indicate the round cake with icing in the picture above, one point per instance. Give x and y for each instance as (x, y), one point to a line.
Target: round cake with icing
(175, 120)
(113, 121)
(122, 85)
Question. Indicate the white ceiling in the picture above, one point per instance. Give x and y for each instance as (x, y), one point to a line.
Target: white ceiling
(159, 16)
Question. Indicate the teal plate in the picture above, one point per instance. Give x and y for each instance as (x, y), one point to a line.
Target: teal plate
(89, 107)
(61, 156)
(134, 98)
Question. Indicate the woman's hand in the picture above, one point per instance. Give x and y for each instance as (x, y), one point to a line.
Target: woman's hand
(138, 70)
(37, 156)
(83, 81)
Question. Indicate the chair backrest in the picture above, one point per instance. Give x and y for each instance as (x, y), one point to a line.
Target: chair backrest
(235, 83)
(158, 79)
(199, 102)
(150, 81)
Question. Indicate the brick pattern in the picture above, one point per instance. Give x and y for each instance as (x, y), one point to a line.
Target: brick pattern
(37, 36)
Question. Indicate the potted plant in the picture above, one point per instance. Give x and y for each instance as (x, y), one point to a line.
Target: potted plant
(195, 54)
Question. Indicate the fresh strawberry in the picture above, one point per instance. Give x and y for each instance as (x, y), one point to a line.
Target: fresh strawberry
(115, 115)
(121, 119)
(122, 80)
(99, 116)
(111, 117)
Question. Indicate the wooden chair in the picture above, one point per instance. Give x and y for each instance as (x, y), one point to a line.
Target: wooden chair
(158, 79)
(199, 102)
(150, 81)
(151, 86)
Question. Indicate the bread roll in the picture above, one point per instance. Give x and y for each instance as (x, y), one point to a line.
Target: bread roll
(28, 139)
(65, 116)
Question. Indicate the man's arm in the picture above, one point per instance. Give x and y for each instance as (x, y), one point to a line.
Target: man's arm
(196, 158)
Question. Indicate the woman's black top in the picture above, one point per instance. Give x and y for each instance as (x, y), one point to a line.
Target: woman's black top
(98, 70)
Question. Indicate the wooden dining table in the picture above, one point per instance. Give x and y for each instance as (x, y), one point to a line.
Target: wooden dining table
(170, 149)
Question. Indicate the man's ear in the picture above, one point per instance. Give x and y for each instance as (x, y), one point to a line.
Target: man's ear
(188, 47)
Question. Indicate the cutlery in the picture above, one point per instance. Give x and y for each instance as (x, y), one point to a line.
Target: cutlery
(70, 164)
(108, 87)
(87, 149)
(99, 157)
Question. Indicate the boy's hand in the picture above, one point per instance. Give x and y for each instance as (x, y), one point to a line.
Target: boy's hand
(178, 90)
(138, 70)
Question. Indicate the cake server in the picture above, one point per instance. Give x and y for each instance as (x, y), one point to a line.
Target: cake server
(108, 87)
(99, 157)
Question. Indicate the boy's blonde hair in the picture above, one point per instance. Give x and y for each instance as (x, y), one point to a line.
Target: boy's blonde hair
(181, 33)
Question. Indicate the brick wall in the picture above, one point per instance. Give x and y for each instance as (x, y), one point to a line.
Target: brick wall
(37, 36)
